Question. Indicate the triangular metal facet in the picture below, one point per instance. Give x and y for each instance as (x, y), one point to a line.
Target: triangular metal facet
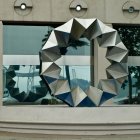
(93, 31)
(86, 102)
(122, 79)
(121, 46)
(116, 54)
(77, 30)
(66, 97)
(49, 79)
(108, 29)
(62, 38)
(116, 71)
(52, 87)
(52, 70)
(106, 96)
(78, 95)
(85, 23)
(52, 54)
(62, 87)
(107, 39)
(51, 42)
(108, 85)
(94, 94)
(65, 27)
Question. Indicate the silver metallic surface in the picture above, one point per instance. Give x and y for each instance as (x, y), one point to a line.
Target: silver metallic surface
(108, 38)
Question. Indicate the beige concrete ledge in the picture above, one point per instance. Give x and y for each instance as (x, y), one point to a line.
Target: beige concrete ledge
(71, 129)
(25, 136)
(70, 121)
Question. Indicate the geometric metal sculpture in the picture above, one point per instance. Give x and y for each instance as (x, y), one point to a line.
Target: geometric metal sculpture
(108, 38)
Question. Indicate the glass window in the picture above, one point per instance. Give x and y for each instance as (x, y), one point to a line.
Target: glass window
(23, 40)
(22, 83)
(130, 35)
(21, 80)
(78, 62)
(79, 47)
(77, 76)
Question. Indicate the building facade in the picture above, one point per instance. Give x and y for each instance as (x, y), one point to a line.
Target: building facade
(22, 24)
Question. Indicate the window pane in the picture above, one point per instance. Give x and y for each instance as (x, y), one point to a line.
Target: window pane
(22, 83)
(80, 47)
(24, 40)
(77, 76)
(130, 35)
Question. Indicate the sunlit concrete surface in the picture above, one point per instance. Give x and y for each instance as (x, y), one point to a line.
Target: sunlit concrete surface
(15, 136)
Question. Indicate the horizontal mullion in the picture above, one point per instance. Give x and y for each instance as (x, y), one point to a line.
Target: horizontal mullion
(34, 60)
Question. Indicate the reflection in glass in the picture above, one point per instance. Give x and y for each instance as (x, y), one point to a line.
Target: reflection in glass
(78, 76)
(24, 40)
(130, 36)
(133, 85)
(23, 85)
(77, 47)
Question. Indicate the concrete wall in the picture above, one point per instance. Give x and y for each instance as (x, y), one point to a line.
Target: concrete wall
(109, 11)
(17, 136)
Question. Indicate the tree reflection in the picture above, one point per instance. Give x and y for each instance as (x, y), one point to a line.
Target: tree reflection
(130, 36)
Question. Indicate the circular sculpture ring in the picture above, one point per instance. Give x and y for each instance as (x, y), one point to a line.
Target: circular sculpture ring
(108, 38)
